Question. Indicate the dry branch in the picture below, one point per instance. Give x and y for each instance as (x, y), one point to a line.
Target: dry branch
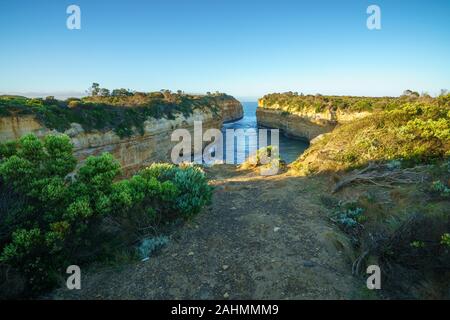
(381, 175)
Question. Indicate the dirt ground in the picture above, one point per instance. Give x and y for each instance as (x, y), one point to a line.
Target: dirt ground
(262, 238)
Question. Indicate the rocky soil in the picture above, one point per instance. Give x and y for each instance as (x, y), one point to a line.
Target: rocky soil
(262, 238)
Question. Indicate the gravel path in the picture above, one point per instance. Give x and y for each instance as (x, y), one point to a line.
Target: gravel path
(262, 238)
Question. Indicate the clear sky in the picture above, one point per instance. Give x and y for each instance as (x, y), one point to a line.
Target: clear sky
(245, 48)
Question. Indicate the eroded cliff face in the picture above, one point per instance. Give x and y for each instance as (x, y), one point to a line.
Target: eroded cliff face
(134, 152)
(231, 110)
(293, 125)
(307, 124)
(12, 128)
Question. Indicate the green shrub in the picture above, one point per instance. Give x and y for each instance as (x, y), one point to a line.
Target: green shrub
(149, 245)
(348, 215)
(441, 189)
(417, 244)
(51, 218)
(445, 239)
(191, 182)
(56, 216)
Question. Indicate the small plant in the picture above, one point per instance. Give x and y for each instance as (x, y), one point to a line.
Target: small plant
(445, 239)
(446, 166)
(394, 164)
(189, 180)
(150, 245)
(417, 244)
(349, 217)
(440, 188)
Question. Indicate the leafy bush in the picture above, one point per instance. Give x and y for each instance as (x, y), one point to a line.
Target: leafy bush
(51, 218)
(52, 213)
(190, 180)
(441, 189)
(349, 215)
(445, 239)
(417, 244)
(149, 245)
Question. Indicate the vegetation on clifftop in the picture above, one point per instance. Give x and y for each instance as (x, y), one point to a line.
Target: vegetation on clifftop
(294, 102)
(122, 110)
(413, 133)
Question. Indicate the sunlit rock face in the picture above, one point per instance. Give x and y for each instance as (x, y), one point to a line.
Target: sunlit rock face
(138, 151)
(307, 124)
(12, 128)
(294, 125)
(133, 152)
(231, 110)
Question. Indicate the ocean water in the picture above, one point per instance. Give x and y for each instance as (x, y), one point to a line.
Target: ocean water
(290, 149)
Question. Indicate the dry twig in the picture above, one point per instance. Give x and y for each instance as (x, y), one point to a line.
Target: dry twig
(381, 175)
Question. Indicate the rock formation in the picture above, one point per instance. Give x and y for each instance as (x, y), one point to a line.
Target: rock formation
(135, 151)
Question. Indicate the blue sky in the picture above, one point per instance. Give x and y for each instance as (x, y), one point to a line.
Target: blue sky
(246, 48)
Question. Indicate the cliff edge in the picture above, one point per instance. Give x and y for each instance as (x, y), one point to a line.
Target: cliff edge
(135, 129)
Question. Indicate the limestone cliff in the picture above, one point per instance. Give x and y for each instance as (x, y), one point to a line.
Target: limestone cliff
(231, 110)
(135, 151)
(306, 124)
